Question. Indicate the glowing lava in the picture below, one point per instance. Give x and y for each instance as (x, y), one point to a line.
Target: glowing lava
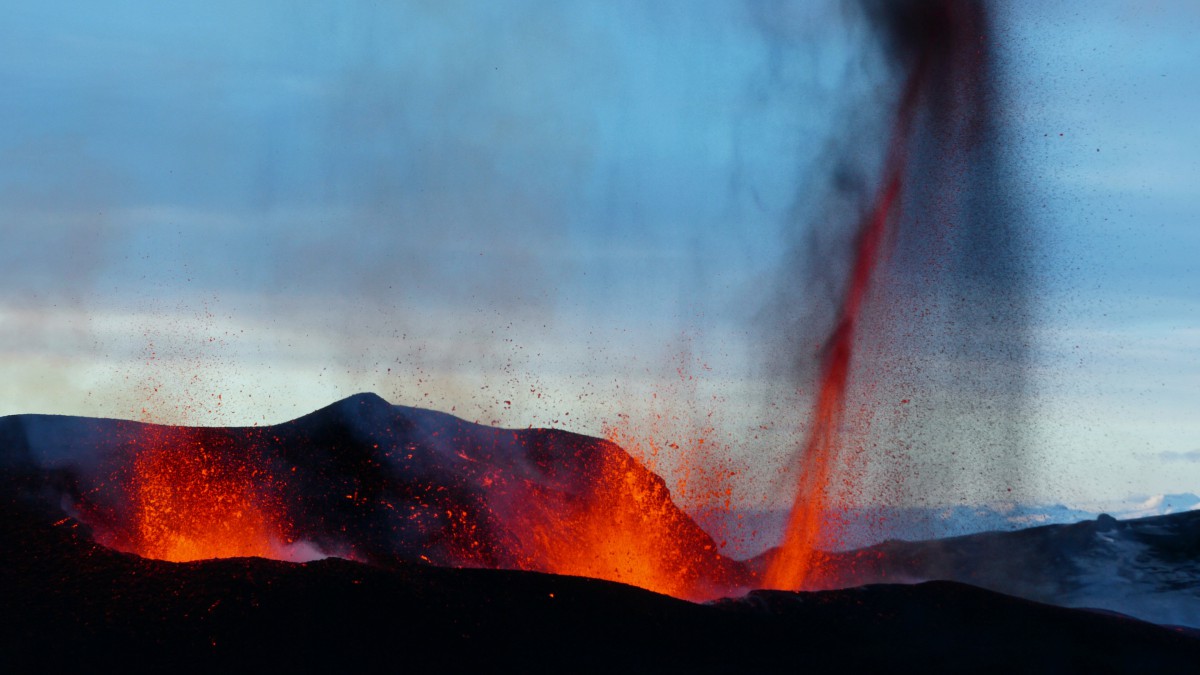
(793, 566)
(623, 526)
(384, 484)
(190, 502)
(942, 42)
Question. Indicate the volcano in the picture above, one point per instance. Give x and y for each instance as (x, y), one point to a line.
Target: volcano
(380, 537)
(368, 481)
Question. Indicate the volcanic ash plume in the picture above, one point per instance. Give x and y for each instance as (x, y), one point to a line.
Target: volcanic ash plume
(920, 369)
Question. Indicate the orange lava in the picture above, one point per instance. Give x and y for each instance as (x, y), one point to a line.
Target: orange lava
(580, 506)
(798, 563)
(625, 528)
(191, 503)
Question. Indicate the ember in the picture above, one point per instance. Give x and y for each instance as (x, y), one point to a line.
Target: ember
(190, 502)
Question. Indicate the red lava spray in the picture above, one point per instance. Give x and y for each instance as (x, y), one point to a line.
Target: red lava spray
(932, 33)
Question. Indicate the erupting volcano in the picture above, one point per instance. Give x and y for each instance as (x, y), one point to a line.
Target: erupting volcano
(888, 341)
(413, 494)
(374, 483)
(382, 484)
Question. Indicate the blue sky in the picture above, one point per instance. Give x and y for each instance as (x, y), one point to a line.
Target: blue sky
(527, 209)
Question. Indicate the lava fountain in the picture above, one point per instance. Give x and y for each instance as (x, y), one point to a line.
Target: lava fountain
(185, 493)
(191, 502)
(941, 48)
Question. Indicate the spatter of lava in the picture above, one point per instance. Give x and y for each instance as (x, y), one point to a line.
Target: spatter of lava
(940, 46)
(384, 484)
(192, 502)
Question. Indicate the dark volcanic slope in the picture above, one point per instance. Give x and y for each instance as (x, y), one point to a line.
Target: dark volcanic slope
(69, 605)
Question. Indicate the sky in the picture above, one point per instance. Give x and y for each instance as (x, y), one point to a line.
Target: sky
(557, 214)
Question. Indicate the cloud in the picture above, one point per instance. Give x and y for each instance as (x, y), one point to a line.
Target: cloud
(1190, 456)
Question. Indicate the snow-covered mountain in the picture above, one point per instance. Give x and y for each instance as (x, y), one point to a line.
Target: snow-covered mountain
(747, 533)
(1155, 505)
(1148, 568)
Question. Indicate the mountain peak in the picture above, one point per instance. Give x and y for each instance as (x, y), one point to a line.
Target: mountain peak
(364, 399)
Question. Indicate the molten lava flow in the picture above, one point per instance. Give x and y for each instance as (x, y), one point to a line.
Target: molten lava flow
(619, 534)
(190, 502)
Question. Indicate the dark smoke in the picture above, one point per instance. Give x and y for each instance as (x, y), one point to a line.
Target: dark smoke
(938, 398)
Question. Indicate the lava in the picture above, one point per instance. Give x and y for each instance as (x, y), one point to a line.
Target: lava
(194, 496)
(794, 564)
(935, 34)
(384, 485)
(624, 526)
